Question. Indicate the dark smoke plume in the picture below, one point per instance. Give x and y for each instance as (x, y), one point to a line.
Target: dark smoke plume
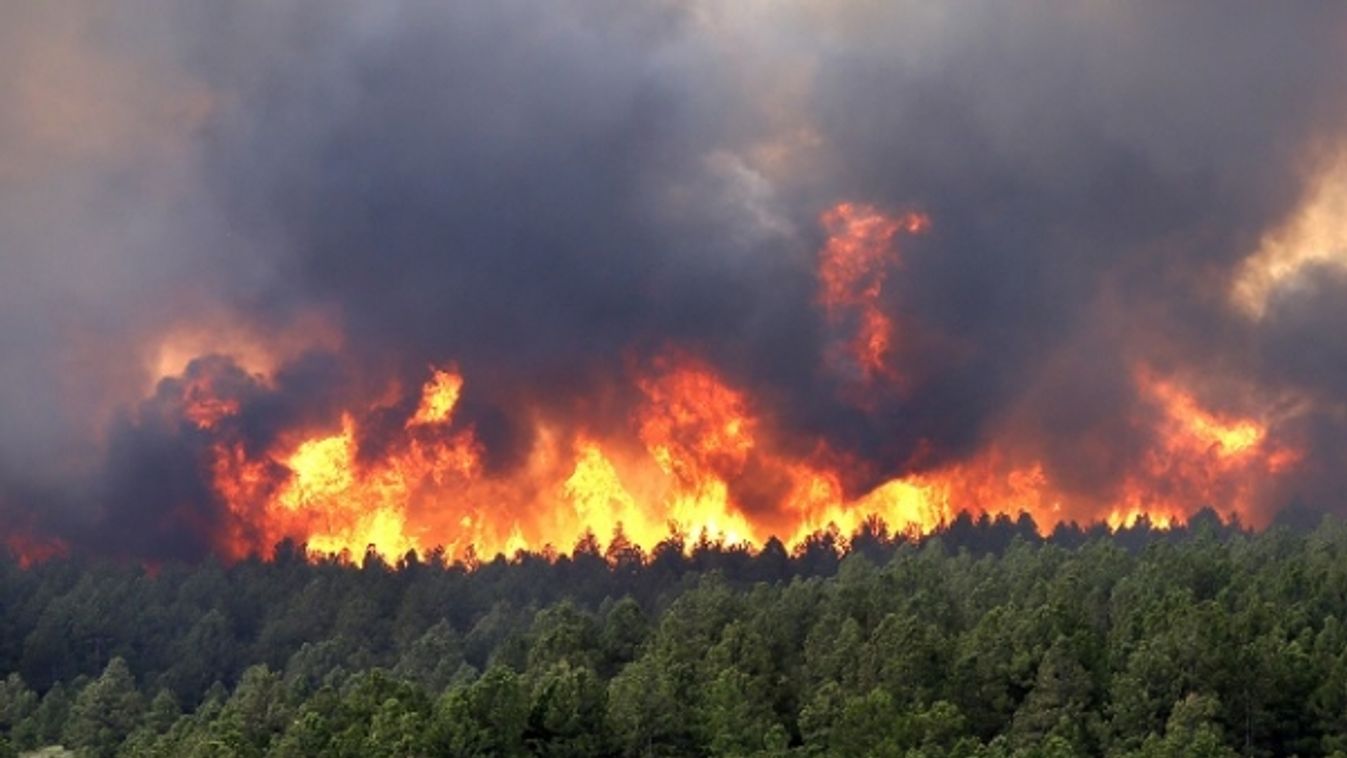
(547, 195)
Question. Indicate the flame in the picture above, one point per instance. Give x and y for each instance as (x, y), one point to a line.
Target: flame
(693, 464)
(438, 398)
(29, 549)
(699, 456)
(319, 491)
(1200, 457)
(203, 405)
(356, 510)
(1192, 429)
(601, 503)
(853, 266)
(1124, 518)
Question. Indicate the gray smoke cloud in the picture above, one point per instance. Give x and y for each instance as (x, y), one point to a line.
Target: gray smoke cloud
(548, 194)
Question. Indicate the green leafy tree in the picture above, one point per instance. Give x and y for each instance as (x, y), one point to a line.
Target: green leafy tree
(314, 727)
(255, 713)
(487, 718)
(625, 628)
(206, 655)
(163, 712)
(18, 703)
(738, 718)
(871, 724)
(562, 634)
(1191, 732)
(106, 711)
(647, 715)
(906, 657)
(984, 641)
(433, 659)
(48, 722)
(1058, 703)
(569, 713)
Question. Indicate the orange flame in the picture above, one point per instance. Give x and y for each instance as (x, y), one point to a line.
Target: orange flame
(701, 457)
(29, 549)
(853, 266)
(202, 405)
(438, 399)
(700, 433)
(1200, 458)
(320, 492)
(703, 448)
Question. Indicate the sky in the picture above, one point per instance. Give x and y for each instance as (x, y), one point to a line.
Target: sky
(310, 202)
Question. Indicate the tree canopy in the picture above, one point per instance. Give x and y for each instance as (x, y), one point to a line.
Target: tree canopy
(982, 640)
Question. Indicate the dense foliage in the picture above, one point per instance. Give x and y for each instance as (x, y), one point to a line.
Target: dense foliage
(984, 640)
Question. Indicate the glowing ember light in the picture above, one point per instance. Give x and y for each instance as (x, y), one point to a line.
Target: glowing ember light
(202, 406)
(601, 502)
(1191, 425)
(1126, 519)
(321, 493)
(700, 457)
(853, 266)
(693, 423)
(320, 468)
(354, 512)
(699, 432)
(702, 445)
(1199, 458)
(438, 399)
(29, 550)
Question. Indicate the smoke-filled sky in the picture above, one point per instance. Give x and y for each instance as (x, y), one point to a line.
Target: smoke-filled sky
(311, 202)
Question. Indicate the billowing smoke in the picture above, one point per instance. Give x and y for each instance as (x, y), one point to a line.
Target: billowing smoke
(1112, 281)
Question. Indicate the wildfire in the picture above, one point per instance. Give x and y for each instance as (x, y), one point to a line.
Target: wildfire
(701, 435)
(596, 494)
(28, 550)
(853, 266)
(699, 456)
(202, 405)
(438, 399)
(1200, 458)
(1191, 429)
(319, 491)
(698, 450)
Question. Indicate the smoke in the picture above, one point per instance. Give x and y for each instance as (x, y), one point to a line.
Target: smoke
(314, 201)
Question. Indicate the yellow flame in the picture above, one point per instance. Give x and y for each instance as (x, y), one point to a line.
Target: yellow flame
(700, 442)
(1225, 437)
(439, 397)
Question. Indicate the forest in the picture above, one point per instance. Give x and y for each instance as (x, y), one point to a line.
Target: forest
(982, 639)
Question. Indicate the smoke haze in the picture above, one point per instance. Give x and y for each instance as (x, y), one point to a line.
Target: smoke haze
(225, 226)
